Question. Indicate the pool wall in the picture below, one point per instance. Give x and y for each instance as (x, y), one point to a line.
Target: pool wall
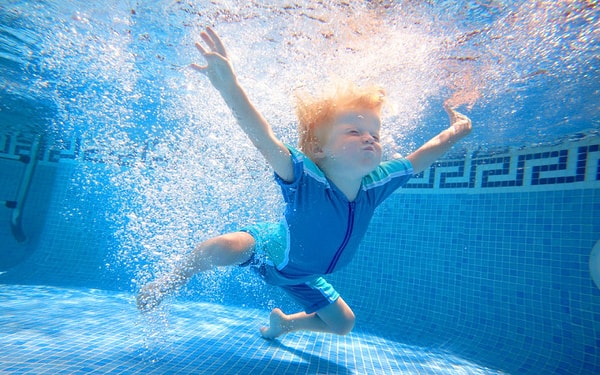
(485, 255)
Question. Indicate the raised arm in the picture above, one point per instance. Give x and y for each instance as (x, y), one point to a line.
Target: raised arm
(432, 150)
(220, 72)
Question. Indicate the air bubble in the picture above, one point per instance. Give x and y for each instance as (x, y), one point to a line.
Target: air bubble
(158, 140)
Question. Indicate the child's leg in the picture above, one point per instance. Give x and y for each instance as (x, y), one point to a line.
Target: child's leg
(335, 318)
(228, 249)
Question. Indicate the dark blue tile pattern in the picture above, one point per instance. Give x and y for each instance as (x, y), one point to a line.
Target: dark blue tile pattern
(570, 162)
(575, 162)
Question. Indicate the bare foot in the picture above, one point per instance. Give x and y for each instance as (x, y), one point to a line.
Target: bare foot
(277, 325)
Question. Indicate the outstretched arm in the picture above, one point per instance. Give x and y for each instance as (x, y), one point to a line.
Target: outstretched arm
(432, 150)
(220, 72)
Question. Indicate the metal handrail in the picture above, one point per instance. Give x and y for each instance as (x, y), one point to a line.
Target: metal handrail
(17, 205)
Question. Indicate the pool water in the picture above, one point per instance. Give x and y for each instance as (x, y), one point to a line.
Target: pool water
(509, 293)
(116, 158)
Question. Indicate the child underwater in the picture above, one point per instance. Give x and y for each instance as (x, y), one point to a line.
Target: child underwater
(331, 185)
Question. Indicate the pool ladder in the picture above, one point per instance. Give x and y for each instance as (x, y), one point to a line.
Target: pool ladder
(16, 220)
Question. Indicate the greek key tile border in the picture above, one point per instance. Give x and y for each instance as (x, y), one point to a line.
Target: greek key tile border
(576, 164)
(74, 150)
(568, 164)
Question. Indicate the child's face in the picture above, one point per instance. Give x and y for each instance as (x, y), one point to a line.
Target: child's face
(352, 141)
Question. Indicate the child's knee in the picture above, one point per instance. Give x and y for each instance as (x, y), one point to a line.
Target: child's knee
(348, 324)
(338, 316)
(344, 325)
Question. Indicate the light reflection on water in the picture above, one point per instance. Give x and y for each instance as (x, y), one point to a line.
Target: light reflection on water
(122, 67)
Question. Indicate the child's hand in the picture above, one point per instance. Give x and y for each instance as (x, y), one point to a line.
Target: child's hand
(460, 122)
(218, 68)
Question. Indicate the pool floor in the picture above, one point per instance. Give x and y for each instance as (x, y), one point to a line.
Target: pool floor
(49, 330)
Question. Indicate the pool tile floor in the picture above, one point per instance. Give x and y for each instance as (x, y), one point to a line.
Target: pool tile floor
(49, 330)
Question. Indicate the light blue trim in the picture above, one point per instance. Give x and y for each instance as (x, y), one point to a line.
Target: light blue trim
(286, 254)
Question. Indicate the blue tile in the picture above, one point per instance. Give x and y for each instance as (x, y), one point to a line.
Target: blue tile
(493, 270)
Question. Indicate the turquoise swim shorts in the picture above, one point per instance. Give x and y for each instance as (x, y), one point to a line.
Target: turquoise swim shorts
(270, 248)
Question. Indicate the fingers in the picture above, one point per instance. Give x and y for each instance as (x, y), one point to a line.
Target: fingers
(213, 41)
(204, 52)
(450, 111)
(217, 43)
(459, 121)
(200, 48)
(215, 46)
(209, 41)
(199, 68)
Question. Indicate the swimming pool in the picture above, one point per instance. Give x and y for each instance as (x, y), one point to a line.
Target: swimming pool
(481, 265)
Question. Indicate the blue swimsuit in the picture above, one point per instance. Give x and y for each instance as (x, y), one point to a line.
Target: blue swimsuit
(321, 229)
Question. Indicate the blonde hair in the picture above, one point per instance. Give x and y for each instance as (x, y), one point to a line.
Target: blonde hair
(315, 113)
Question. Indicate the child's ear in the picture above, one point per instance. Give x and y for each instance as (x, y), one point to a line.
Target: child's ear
(316, 150)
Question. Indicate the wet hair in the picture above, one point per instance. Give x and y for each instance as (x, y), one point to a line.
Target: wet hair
(316, 113)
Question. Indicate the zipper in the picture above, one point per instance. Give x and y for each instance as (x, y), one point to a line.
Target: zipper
(349, 227)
